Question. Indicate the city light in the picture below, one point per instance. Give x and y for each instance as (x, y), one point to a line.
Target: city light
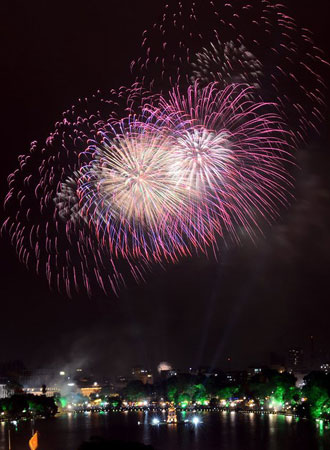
(195, 420)
(155, 421)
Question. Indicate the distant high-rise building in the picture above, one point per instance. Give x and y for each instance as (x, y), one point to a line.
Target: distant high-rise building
(4, 390)
(295, 360)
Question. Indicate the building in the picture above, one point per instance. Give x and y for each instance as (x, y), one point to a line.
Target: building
(143, 375)
(236, 376)
(120, 382)
(255, 369)
(48, 392)
(3, 391)
(325, 367)
(295, 359)
(88, 390)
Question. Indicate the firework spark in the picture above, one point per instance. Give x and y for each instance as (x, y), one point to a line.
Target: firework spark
(195, 151)
(212, 161)
(238, 45)
(46, 221)
(128, 190)
(233, 156)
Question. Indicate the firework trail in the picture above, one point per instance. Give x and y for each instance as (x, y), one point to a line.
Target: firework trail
(202, 163)
(198, 149)
(233, 157)
(129, 192)
(256, 42)
(150, 188)
(45, 220)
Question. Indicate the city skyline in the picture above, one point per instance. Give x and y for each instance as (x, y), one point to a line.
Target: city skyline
(269, 294)
(302, 359)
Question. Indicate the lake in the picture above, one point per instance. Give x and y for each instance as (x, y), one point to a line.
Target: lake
(216, 431)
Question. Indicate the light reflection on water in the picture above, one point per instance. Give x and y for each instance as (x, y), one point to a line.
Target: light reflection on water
(217, 431)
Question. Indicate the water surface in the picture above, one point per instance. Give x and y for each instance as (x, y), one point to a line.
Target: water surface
(217, 431)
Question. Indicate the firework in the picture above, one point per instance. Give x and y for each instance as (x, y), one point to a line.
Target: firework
(227, 64)
(233, 156)
(204, 163)
(238, 45)
(46, 221)
(67, 200)
(129, 192)
(196, 151)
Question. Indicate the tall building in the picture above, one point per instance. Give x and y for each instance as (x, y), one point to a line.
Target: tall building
(3, 391)
(295, 360)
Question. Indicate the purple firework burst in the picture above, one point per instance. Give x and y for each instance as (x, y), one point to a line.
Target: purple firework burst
(197, 151)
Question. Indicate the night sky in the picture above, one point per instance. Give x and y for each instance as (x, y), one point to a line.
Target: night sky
(258, 298)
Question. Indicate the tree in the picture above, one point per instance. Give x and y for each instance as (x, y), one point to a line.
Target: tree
(317, 393)
(114, 401)
(184, 398)
(279, 387)
(184, 388)
(135, 391)
(227, 393)
(18, 406)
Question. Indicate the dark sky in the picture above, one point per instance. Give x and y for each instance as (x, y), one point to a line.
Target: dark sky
(258, 298)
